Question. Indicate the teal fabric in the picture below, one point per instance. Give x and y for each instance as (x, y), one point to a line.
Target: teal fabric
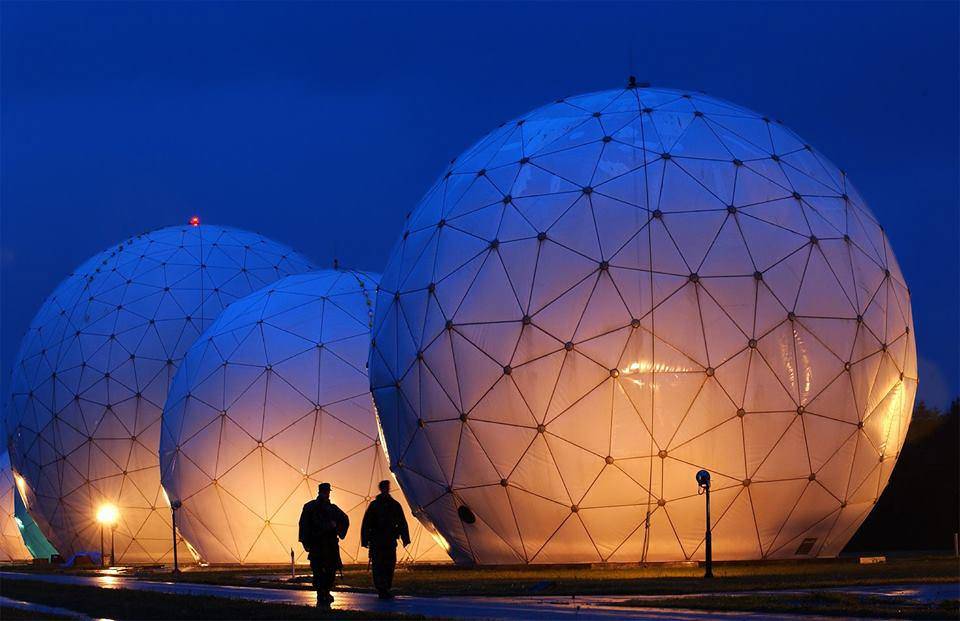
(35, 541)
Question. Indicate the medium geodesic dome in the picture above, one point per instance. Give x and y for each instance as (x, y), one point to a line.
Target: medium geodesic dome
(12, 547)
(92, 374)
(616, 290)
(270, 401)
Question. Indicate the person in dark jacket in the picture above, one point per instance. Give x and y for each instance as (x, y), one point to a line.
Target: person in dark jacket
(383, 523)
(322, 524)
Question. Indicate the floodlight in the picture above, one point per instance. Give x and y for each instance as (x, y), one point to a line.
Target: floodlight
(108, 514)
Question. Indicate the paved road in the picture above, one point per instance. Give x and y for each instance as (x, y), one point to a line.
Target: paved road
(585, 609)
(593, 608)
(40, 611)
(927, 593)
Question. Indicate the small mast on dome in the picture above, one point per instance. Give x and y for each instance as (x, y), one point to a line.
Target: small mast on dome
(195, 221)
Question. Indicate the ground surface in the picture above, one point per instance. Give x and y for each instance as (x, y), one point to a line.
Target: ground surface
(652, 580)
(911, 588)
(15, 614)
(553, 608)
(828, 603)
(131, 604)
(663, 579)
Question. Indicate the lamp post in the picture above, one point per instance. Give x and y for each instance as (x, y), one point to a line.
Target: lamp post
(107, 515)
(176, 504)
(703, 484)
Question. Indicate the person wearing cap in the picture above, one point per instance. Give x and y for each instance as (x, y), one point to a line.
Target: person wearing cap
(383, 523)
(322, 524)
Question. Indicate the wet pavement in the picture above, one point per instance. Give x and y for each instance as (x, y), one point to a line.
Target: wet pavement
(40, 611)
(587, 608)
(926, 593)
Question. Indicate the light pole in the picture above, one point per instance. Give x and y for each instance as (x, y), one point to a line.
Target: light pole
(176, 504)
(107, 514)
(703, 484)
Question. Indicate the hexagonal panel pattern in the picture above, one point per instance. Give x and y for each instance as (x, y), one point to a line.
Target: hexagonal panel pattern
(272, 400)
(92, 374)
(618, 289)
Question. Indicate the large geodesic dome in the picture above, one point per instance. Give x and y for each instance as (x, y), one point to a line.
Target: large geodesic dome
(12, 547)
(92, 374)
(272, 400)
(618, 289)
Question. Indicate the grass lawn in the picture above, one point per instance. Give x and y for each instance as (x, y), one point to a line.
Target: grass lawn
(831, 604)
(665, 580)
(133, 605)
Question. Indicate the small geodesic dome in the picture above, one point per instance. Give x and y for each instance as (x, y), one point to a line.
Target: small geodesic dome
(91, 377)
(12, 547)
(270, 401)
(618, 289)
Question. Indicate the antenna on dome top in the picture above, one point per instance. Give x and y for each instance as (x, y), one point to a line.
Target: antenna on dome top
(632, 82)
(336, 263)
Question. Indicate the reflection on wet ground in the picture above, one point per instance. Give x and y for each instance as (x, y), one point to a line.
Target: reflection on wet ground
(40, 611)
(528, 607)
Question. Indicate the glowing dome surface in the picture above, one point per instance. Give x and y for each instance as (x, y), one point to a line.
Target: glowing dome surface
(12, 547)
(272, 400)
(616, 290)
(92, 374)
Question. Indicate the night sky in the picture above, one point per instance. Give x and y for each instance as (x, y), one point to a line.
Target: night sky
(321, 125)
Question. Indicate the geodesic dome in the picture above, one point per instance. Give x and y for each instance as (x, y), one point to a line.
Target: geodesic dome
(618, 289)
(92, 374)
(12, 547)
(272, 400)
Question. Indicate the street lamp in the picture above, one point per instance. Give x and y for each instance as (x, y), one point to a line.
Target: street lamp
(107, 514)
(176, 504)
(703, 485)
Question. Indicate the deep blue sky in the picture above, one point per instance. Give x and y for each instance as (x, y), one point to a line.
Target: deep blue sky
(321, 125)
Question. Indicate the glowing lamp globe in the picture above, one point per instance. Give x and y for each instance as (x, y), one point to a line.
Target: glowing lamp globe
(272, 400)
(108, 515)
(92, 374)
(610, 293)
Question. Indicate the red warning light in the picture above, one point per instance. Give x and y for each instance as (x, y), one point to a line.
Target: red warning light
(195, 221)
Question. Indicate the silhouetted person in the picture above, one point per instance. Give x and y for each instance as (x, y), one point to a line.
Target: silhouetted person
(322, 524)
(383, 523)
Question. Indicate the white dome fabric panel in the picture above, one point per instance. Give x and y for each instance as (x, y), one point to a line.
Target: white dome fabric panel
(618, 289)
(12, 547)
(92, 374)
(272, 400)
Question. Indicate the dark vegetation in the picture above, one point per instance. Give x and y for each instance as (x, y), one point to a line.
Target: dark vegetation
(132, 605)
(920, 509)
